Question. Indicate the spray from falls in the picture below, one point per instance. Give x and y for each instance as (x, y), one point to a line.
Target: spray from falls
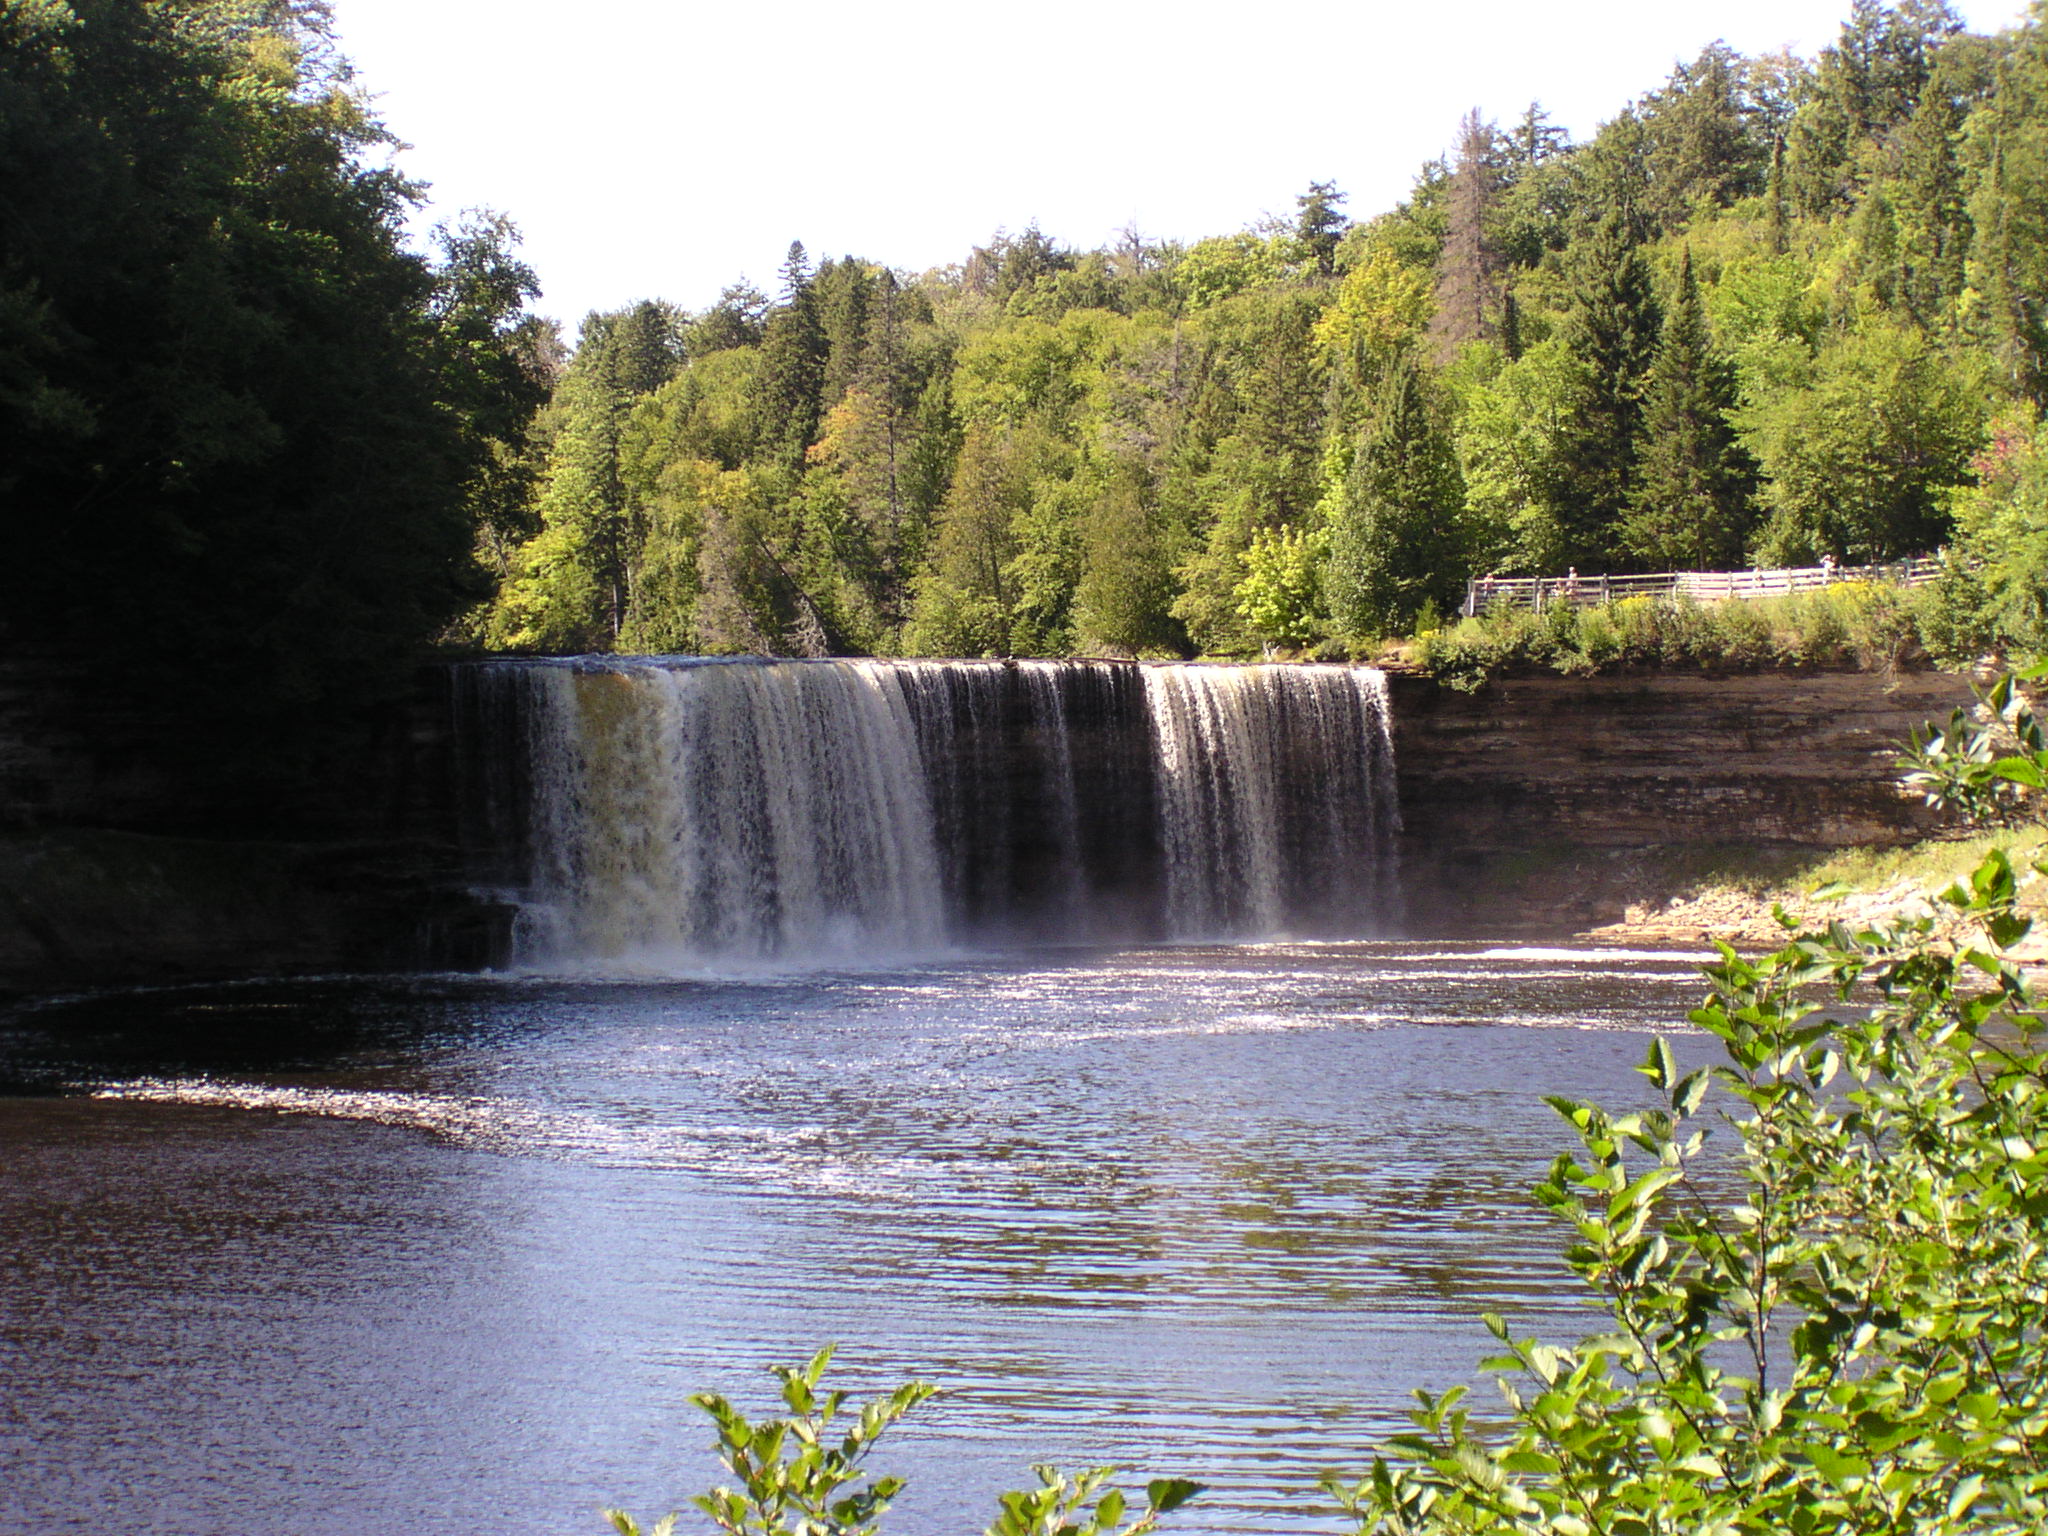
(676, 811)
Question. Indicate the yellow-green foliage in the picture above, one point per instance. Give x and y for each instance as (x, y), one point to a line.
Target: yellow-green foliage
(1771, 314)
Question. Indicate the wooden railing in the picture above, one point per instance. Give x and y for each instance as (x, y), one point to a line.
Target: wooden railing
(1699, 586)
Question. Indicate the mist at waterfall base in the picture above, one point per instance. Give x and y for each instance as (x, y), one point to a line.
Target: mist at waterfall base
(447, 1254)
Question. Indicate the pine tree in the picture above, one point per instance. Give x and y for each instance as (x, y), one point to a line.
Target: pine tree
(1394, 535)
(1468, 281)
(1867, 85)
(1775, 195)
(1698, 147)
(638, 349)
(1282, 397)
(1999, 266)
(1933, 216)
(1612, 330)
(2009, 215)
(794, 351)
(844, 293)
(1536, 139)
(1321, 224)
(1692, 507)
(1511, 343)
(575, 587)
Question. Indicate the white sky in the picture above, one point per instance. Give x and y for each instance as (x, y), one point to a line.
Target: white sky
(663, 151)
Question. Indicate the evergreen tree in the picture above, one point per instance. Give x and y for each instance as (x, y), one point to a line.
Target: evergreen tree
(1394, 540)
(794, 351)
(1321, 224)
(1611, 329)
(636, 350)
(1467, 281)
(1699, 149)
(2008, 261)
(1867, 85)
(2002, 264)
(844, 293)
(736, 320)
(1691, 507)
(967, 600)
(1010, 265)
(1531, 216)
(1535, 139)
(1281, 400)
(1930, 193)
(1888, 54)
(1776, 211)
(1124, 599)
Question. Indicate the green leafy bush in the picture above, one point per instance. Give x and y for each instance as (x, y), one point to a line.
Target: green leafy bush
(1840, 1326)
(1867, 625)
(804, 1475)
(1987, 772)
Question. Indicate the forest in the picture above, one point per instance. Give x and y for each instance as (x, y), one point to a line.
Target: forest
(256, 447)
(1774, 310)
(245, 429)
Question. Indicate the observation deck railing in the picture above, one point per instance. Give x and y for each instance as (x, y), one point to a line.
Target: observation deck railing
(1700, 586)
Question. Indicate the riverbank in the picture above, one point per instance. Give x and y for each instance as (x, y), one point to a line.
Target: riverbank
(1739, 900)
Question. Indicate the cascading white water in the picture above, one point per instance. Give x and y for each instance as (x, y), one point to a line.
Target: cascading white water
(728, 812)
(1276, 795)
(678, 812)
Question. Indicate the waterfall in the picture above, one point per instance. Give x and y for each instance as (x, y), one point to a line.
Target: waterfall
(735, 812)
(672, 812)
(1276, 790)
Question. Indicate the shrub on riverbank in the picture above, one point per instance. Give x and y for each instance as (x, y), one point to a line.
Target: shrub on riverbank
(1854, 1343)
(1864, 625)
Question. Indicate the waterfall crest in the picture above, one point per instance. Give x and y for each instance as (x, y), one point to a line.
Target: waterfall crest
(666, 812)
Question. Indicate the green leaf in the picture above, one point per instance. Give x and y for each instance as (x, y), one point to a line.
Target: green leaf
(1658, 1066)
(2020, 770)
(1166, 1494)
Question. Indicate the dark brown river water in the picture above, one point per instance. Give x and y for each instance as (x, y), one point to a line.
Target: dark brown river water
(448, 1255)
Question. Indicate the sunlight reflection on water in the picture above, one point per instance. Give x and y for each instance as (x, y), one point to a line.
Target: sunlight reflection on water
(447, 1254)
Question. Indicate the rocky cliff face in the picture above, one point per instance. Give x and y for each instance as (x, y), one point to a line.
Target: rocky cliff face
(134, 849)
(1548, 804)
(1537, 806)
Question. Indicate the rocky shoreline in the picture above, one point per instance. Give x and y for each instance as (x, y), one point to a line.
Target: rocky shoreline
(1748, 920)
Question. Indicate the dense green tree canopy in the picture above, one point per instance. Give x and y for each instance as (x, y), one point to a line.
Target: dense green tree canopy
(1766, 314)
(1770, 311)
(246, 437)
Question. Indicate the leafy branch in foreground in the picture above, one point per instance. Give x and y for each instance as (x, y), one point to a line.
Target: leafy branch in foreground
(1986, 772)
(797, 1476)
(1839, 1326)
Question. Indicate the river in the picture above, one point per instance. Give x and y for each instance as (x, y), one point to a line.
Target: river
(448, 1254)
